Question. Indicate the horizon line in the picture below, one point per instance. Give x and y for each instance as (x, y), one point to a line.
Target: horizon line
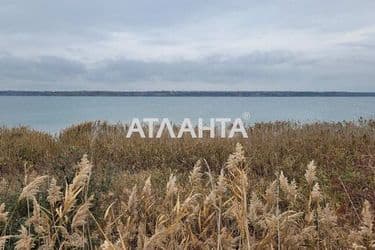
(187, 93)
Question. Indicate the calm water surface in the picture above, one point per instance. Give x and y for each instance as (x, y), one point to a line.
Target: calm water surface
(52, 114)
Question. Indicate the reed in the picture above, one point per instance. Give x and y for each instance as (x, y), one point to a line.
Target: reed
(231, 209)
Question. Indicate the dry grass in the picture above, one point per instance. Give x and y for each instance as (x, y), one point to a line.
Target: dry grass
(165, 194)
(232, 210)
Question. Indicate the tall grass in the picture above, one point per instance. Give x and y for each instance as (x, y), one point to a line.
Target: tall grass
(230, 210)
(344, 151)
(192, 193)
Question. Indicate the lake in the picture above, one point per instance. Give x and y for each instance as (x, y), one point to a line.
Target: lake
(51, 114)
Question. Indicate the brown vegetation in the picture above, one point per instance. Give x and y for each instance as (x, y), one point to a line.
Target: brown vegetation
(146, 193)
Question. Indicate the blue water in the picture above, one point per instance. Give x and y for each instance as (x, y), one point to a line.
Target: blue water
(52, 114)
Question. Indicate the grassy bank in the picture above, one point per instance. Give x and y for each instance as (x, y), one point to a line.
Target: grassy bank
(343, 152)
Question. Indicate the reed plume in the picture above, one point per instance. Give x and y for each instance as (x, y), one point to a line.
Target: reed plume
(31, 190)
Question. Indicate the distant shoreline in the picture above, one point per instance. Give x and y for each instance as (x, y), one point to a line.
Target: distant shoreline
(191, 93)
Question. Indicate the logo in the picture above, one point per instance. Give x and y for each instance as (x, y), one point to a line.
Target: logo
(213, 128)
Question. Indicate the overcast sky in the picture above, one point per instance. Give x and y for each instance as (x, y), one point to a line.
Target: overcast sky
(187, 45)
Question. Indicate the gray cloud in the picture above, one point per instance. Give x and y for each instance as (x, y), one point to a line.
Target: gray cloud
(268, 71)
(39, 69)
(128, 45)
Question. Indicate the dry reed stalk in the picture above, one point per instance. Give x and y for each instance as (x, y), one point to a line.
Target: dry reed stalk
(3, 213)
(82, 214)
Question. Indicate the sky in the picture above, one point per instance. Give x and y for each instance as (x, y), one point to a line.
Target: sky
(292, 45)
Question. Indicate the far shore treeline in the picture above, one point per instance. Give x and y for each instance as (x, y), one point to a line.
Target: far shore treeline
(192, 93)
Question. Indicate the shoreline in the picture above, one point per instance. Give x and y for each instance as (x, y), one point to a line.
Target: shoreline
(191, 93)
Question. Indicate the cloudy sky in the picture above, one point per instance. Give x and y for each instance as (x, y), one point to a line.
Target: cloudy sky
(187, 45)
